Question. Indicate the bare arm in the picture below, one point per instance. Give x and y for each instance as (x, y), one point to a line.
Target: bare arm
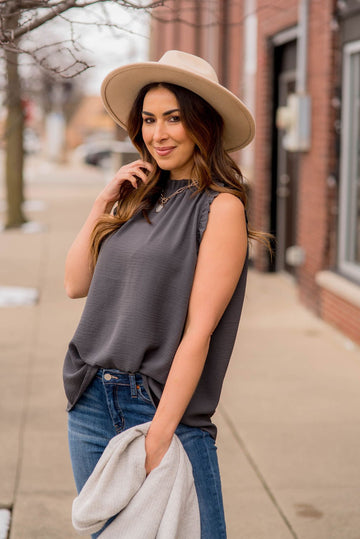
(78, 272)
(221, 258)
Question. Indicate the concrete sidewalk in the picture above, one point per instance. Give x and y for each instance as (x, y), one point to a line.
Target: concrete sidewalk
(289, 419)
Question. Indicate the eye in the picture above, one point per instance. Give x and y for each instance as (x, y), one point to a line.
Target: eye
(175, 118)
(147, 120)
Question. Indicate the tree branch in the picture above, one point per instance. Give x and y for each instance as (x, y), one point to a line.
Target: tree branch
(100, 24)
(35, 23)
(61, 7)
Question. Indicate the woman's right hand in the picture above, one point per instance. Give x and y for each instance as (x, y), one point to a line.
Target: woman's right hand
(78, 269)
(131, 172)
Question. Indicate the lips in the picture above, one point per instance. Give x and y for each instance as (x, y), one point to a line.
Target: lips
(164, 151)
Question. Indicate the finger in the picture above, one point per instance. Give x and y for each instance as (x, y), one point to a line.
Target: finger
(128, 177)
(141, 175)
(124, 175)
(148, 166)
(138, 168)
(133, 180)
(143, 164)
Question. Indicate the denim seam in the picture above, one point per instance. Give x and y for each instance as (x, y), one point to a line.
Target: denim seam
(118, 428)
(142, 397)
(133, 384)
(219, 501)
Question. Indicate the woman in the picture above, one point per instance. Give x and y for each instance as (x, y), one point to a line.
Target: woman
(162, 258)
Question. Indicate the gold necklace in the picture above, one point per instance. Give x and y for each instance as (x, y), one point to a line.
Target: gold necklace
(164, 199)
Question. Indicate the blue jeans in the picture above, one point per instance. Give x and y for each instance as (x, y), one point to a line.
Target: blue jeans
(116, 401)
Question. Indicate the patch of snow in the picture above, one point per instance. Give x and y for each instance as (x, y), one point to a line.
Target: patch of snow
(5, 517)
(34, 205)
(32, 227)
(13, 296)
(28, 205)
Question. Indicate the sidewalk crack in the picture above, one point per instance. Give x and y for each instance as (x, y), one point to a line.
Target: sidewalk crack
(256, 470)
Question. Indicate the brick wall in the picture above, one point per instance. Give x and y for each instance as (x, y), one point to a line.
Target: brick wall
(316, 165)
(341, 314)
(178, 25)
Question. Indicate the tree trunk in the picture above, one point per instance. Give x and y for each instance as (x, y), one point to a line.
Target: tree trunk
(14, 142)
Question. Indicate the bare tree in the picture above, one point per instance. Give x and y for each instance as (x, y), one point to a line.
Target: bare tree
(18, 19)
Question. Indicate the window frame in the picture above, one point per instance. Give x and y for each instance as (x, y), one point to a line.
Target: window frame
(347, 267)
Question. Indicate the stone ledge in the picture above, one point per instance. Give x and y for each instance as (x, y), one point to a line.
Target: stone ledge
(339, 286)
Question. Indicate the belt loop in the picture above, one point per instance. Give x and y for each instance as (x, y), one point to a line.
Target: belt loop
(133, 385)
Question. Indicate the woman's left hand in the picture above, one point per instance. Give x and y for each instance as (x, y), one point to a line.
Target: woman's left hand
(155, 451)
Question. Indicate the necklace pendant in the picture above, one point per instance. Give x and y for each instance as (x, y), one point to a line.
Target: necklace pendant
(159, 207)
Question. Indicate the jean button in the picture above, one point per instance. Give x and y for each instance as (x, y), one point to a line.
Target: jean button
(107, 377)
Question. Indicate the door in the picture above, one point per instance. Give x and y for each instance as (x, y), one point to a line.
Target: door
(285, 164)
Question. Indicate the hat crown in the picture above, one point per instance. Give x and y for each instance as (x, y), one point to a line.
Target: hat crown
(189, 62)
(120, 87)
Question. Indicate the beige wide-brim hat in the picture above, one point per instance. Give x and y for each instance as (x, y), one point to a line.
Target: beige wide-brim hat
(121, 86)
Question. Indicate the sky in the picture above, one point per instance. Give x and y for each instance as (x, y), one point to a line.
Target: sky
(102, 47)
(109, 48)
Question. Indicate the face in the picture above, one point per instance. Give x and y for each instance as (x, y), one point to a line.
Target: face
(164, 133)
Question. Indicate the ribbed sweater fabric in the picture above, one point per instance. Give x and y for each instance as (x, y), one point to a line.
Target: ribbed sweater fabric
(163, 505)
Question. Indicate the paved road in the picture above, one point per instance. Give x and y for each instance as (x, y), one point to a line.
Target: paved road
(289, 418)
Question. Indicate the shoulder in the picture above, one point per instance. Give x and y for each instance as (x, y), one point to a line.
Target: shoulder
(227, 208)
(221, 212)
(226, 222)
(225, 202)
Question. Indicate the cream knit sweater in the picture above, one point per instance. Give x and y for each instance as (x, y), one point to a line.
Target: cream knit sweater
(162, 505)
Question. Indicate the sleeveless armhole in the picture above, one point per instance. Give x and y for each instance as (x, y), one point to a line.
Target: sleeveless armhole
(204, 214)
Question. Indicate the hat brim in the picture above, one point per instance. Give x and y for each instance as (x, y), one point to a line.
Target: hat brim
(121, 86)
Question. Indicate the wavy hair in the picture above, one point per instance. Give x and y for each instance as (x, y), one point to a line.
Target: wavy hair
(213, 167)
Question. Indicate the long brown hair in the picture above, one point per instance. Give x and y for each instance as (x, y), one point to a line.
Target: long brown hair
(212, 164)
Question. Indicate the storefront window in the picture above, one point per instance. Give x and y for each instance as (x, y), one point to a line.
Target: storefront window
(349, 233)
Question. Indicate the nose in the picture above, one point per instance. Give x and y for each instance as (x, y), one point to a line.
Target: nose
(160, 131)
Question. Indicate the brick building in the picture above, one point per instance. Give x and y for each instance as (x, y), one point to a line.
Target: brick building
(296, 63)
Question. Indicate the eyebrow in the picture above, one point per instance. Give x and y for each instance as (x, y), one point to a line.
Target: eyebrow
(164, 114)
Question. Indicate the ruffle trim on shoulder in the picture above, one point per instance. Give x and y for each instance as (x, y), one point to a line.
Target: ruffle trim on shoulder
(204, 215)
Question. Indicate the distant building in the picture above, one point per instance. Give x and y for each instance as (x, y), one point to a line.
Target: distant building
(296, 63)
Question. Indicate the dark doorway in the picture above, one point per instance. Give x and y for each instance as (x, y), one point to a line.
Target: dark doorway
(285, 164)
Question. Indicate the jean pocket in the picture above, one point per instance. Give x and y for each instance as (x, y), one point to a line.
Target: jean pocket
(143, 394)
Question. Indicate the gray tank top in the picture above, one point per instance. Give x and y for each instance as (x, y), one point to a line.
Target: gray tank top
(137, 304)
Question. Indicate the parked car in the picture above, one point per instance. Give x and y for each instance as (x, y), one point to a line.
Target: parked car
(100, 153)
(98, 158)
